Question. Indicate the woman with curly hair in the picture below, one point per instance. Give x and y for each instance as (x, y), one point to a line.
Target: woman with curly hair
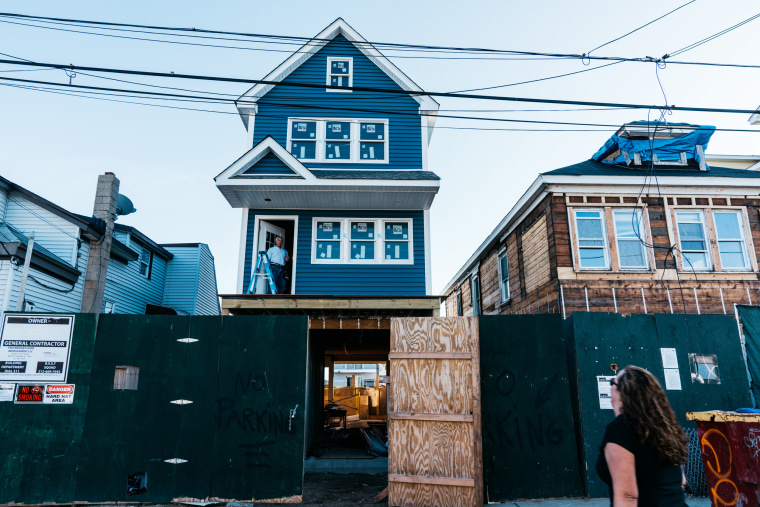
(644, 448)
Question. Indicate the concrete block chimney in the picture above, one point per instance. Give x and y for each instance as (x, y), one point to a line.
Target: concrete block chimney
(106, 195)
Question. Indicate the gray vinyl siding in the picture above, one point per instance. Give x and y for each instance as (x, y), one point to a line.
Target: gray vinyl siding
(347, 279)
(182, 278)
(401, 111)
(56, 234)
(3, 203)
(131, 291)
(62, 297)
(207, 300)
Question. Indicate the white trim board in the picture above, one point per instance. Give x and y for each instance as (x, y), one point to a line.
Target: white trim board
(299, 57)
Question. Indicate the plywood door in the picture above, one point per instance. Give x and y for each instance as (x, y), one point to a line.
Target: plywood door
(434, 427)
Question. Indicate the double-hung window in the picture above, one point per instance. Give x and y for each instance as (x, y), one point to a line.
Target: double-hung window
(592, 239)
(732, 246)
(692, 236)
(362, 241)
(504, 276)
(328, 240)
(630, 237)
(303, 139)
(145, 262)
(475, 294)
(340, 74)
(339, 140)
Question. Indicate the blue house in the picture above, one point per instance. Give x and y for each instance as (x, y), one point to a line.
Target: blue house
(337, 166)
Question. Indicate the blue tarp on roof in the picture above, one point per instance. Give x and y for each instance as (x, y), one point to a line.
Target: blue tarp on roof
(667, 150)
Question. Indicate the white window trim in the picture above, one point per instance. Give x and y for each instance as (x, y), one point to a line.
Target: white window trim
(642, 236)
(503, 253)
(345, 241)
(350, 61)
(685, 266)
(606, 246)
(745, 244)
(355, 142)
(147, 273)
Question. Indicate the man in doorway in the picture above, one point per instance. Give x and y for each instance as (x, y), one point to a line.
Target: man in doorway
(278, 256)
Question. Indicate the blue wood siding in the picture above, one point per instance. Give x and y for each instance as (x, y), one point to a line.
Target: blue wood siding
(270, 164)
(130, 290)
(347, 279)
(283, 102)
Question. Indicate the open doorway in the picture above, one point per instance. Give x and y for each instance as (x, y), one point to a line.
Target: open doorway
(267, 230)
(348, 426)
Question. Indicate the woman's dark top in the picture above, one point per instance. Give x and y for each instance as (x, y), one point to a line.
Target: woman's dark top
(659, 484)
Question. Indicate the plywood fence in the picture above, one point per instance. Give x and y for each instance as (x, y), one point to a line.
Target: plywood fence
(434, 424)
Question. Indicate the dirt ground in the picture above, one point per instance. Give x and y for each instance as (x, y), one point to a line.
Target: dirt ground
(341, 490)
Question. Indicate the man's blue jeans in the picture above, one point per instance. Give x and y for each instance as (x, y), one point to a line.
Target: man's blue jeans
(279, 278)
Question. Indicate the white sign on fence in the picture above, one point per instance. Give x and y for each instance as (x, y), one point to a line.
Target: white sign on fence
(35, 348)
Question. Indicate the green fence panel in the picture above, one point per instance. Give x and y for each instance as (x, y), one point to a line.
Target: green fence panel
(599, 339)
(40, 445)
(259, 448)
(135, 431)
(750, 317)
(529, 446)
(196, 425)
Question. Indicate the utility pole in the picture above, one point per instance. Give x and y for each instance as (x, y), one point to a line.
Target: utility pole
(25, 273)
(106, 196)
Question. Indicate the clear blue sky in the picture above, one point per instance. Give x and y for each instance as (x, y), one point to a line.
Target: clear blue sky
(166, 159)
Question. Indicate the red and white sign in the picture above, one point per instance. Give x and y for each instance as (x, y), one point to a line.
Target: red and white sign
(59, 394)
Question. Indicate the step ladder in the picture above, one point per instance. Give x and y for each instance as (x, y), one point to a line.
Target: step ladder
(262, 269)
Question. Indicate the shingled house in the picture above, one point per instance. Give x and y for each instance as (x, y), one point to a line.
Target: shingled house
(648, 224)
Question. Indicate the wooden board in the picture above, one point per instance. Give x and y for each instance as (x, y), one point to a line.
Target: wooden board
(434, 434)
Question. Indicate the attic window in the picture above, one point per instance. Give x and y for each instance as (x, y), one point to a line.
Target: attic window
(340, 74)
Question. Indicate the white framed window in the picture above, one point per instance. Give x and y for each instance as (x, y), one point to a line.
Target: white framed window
(732, 240)
(340, 73)
(630, 238)
(693, 241)
(338, 140)
(591, 239)
(504, 276)
(109, 307)
(362, 241)
(145, 262)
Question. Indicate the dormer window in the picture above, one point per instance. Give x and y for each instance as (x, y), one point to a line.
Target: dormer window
(340, 74)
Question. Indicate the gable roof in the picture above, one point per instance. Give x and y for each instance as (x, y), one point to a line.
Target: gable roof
(92, 228)
(246, 103)
(593, 168)
(267, 146)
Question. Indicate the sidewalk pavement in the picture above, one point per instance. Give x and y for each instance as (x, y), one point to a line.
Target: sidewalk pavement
(587, 502)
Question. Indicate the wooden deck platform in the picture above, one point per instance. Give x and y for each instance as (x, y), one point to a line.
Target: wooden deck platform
(332, 307)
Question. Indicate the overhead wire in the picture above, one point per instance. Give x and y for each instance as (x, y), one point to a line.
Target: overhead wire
(386, 45)
(76, 68)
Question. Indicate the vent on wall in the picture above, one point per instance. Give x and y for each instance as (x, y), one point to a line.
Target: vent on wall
(126, 378)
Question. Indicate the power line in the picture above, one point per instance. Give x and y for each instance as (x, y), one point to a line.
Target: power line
(600, 126)
(395, 46)
(642, 26)
(389, 91)
(711, 37)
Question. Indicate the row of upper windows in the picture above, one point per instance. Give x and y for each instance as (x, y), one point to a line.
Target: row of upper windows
(705, 239)
(338, 140)
(362, 241)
